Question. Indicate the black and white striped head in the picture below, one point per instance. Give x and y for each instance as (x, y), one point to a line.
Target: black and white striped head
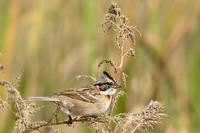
(107, 84)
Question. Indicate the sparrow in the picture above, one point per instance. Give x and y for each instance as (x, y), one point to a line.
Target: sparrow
(91, 100)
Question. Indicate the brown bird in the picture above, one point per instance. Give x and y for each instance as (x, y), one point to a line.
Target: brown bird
(91, 100)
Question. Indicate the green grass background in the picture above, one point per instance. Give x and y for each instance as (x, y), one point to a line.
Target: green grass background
(53, 41)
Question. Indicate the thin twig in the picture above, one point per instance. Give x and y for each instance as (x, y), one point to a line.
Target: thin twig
(122, 58)
(108, 62)
(55, 114)
(82, 119)
(138, 125)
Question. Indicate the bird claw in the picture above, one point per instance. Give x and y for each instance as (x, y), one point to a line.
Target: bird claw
(70, 121)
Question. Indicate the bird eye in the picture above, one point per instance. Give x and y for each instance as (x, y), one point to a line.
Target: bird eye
(104, 87)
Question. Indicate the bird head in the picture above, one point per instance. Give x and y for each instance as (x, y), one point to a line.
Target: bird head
(107, 84)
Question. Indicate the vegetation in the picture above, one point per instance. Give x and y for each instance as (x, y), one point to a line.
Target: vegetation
(43, 42)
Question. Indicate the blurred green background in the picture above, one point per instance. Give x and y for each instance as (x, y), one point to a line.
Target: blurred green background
(53, 41)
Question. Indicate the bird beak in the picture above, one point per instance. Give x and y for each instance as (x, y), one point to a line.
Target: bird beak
(117, 86)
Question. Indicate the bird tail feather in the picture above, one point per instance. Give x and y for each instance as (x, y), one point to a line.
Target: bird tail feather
(50, 99)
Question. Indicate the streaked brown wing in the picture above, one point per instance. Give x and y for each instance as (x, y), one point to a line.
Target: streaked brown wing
(86, 94)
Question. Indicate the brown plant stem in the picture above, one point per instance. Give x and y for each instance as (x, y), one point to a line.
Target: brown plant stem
(82, 119)
(138, 125)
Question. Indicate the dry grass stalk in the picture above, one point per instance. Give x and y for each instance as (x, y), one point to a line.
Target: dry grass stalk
(24, 111)
(124, 123)
(142, 122)
(119, 23)
(108, 62)
(3, 104)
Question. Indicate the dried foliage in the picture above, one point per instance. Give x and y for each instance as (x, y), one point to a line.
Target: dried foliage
(3, 104)
(124, 123)
(108, 62)
(24, 112)
(125, 34)
(118, 22)
(130, 122)
(143, 121)
(115, 99)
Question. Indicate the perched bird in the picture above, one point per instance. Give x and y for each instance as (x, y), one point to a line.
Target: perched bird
(91, 100)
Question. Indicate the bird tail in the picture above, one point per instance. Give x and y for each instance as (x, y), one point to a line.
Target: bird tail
(47, 99)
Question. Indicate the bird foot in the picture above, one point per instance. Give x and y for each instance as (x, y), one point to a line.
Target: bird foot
(69, 122)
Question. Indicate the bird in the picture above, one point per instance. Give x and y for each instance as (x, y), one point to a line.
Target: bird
(91, 100)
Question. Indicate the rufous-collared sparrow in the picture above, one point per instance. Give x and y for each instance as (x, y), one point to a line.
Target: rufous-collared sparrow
(91, 100)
